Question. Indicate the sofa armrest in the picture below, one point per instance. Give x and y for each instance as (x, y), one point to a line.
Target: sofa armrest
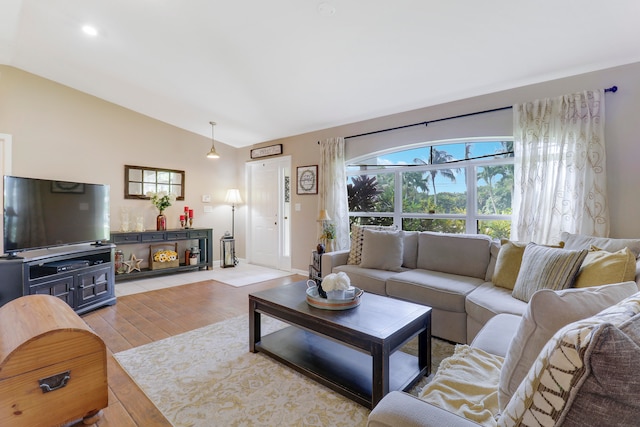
(496, 335)
(333, 259)
(402, 409)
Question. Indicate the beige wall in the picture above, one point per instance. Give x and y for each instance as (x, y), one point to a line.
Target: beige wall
(622, 132)
(63, 134)
(60, 133)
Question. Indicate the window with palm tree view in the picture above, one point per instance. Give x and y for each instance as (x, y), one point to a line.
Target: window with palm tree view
(452, 187)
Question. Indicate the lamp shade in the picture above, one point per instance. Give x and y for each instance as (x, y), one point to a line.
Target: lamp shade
(213, 154)
(324, 216)
(233, 197)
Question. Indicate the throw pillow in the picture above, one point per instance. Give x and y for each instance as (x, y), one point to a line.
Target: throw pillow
(546, 313)
(585, 375)
(355, 252)
(508, 264)
(546, 268)
(382, 250)
(602, 267)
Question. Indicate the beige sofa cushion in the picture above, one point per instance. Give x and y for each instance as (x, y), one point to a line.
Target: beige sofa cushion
(368, 279)
(581, 241)
(487, 300)
(382, 250)
(495, 250)
(547, 312)
(602, 267)
(586, 374)
(463, 254)
(546, 268)
(433, 288)
(410, 249)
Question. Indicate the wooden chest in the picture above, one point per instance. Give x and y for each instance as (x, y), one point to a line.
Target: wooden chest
(53, 368)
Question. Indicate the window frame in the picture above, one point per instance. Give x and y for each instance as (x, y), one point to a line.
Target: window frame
(472, 217)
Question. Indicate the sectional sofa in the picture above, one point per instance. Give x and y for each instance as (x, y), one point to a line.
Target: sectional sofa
(454, 273)
(554, 331)
(570, 361)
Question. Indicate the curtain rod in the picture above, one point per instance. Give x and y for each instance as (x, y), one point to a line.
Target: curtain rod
(612, 89)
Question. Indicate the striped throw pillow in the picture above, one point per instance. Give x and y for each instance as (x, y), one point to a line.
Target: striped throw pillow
(546, 268)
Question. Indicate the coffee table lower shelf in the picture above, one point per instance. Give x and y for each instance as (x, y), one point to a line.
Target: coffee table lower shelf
(337, 366)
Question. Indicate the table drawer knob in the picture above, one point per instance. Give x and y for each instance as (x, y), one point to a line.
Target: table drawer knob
(55, 382)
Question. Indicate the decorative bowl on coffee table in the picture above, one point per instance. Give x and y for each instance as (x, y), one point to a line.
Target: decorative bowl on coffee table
(314, 300)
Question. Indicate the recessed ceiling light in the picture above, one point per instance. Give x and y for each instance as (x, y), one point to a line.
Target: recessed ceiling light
(326, 9)
(90, 30)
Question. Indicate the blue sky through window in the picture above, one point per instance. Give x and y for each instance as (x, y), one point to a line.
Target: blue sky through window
(456, 150)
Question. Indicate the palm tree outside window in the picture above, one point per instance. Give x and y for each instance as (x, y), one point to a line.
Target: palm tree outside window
(457, 187)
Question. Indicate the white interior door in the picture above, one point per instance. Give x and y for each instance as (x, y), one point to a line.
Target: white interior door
(268, 221)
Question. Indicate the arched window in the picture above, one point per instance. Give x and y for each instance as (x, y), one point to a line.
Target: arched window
(454, 186)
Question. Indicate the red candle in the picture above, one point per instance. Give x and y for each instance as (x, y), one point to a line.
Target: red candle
(181, 217)
(186, 209)
(190, 213)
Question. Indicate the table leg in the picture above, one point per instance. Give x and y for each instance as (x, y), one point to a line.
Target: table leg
(424, 347)
(254, 326)
(380, 386)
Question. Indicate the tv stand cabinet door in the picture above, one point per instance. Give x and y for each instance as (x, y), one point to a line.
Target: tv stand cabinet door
(94, 285)
(60, 286)
(11, 283)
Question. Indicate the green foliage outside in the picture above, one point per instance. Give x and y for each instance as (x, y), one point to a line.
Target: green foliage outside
(375, 193)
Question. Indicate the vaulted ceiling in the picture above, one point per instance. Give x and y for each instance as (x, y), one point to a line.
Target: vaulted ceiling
(270, 69)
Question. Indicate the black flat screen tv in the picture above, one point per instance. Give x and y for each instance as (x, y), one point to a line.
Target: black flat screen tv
(43, 213)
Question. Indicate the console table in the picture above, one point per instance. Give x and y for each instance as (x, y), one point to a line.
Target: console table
(205, 243)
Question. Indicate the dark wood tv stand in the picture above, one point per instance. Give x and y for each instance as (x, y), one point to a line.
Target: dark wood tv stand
(81, 275)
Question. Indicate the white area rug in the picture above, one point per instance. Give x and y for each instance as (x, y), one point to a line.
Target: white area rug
(247, 274)
(241, 275)
(207, 377)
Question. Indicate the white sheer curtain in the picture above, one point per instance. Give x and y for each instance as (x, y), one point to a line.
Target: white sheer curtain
(333, 189)
(560, 174)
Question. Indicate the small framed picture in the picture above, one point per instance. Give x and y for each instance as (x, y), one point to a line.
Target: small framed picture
(307, 181)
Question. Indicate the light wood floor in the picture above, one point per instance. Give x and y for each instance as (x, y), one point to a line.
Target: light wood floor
(151, 316)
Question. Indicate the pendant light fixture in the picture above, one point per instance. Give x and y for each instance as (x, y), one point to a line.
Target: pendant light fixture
(212, 153)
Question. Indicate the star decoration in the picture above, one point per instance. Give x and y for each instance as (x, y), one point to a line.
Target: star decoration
(133, 264)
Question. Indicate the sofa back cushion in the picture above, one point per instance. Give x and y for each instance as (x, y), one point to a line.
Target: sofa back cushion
(581, 241)
(546, 313)
(585, 375)
(463, 254)
(410, 249)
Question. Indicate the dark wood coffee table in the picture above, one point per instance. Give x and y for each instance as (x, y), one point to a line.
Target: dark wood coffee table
(353, 352)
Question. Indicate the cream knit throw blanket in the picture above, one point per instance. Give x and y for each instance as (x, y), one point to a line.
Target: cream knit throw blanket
(467, 384)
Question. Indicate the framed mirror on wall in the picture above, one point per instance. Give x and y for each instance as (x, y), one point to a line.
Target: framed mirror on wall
(140, 180)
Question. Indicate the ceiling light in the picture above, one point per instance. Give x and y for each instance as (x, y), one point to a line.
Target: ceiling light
(212, 153)
(90, 30)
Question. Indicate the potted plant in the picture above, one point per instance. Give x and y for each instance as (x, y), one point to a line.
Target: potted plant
(328, 234)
